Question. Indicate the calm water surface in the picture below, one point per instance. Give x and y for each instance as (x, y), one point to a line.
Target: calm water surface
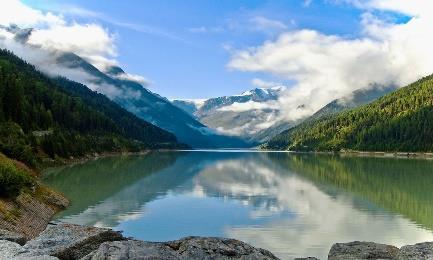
(293, 205)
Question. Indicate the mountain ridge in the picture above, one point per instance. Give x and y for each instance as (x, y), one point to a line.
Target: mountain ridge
(126, 91)
(399, 122)
(39, 118)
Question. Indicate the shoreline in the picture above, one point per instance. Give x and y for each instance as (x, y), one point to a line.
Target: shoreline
(70, 241)
(81, 159)
(64, 162)
(373, 154)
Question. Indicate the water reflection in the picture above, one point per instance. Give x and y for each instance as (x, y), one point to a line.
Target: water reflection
(293, 205)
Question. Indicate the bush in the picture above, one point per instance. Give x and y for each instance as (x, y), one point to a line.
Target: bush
(12, 178)
(14, 144)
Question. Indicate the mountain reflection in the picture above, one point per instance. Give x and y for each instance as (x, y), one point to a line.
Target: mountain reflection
(293, 205)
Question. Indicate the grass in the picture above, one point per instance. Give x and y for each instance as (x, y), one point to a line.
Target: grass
(13, 178)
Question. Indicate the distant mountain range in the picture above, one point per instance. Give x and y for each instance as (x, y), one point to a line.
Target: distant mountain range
(150, 106)
(399, 121)
(244, 115)
(250, 114)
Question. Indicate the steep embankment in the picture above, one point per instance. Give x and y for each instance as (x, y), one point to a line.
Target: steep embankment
(400, 121)
(26, 206)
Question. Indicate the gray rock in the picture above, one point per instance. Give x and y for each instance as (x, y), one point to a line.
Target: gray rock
(187, 248)
(133, 249)
(67, 241)
(40, 257)
(417, 251)
(12, 236)
(306, 258)
(9, 249)
(217, 248)
(362, 250)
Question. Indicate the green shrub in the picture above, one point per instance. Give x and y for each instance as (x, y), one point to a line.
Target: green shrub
(14, 144)
(12, 179)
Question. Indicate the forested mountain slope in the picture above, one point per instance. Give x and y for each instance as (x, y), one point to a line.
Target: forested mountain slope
(355, 99)
(38, 118)
(400, 121)
(147, 105)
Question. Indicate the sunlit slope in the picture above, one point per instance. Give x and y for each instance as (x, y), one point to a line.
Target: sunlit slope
(400, 121)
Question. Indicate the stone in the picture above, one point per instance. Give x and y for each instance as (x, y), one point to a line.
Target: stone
(206, 248)
(133, 249)
(217, 248)
(68, 241)
(9, 249)
(39, 257)
(12, 236)
(417, 251)
(362, 250)
(306, 258)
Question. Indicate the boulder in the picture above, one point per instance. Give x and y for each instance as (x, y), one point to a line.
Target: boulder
(362, 250)
(133, 249)
(186, 248)
(12, 236)
(39, 257)
(217, 248)
(12, 251)
(417, 251)
(9, 249)
(67, 241)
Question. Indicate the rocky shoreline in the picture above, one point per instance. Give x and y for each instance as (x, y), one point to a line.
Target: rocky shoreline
(68, 241)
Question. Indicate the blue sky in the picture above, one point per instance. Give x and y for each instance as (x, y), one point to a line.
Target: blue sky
(183, 46)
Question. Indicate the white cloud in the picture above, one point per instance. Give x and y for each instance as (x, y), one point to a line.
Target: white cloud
(247, 106)
(261, 23)
(54, 35)
(307, 3)
(413, 8)
(200, 29)
(53, 32)
(264, 84)
(133, 77)
(203, 29)
(326, 67)
(15, 12)
(89, 41)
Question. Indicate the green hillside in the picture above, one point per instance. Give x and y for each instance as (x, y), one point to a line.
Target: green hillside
(400, 121)
(41, 119)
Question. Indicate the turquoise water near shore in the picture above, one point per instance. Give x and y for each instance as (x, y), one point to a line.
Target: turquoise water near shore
(291, 204)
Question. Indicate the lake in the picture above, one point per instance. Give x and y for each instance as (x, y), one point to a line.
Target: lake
(291, 204)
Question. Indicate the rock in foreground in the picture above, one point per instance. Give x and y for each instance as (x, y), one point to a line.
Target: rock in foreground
(12, 236)
(67, 241)
(417, 251)
(362, 250)
(186, 248)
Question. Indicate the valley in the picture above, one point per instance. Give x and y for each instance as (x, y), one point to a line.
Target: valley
(216, 130)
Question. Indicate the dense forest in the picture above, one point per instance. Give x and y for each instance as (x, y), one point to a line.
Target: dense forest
(400, 121)
(42, 117)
